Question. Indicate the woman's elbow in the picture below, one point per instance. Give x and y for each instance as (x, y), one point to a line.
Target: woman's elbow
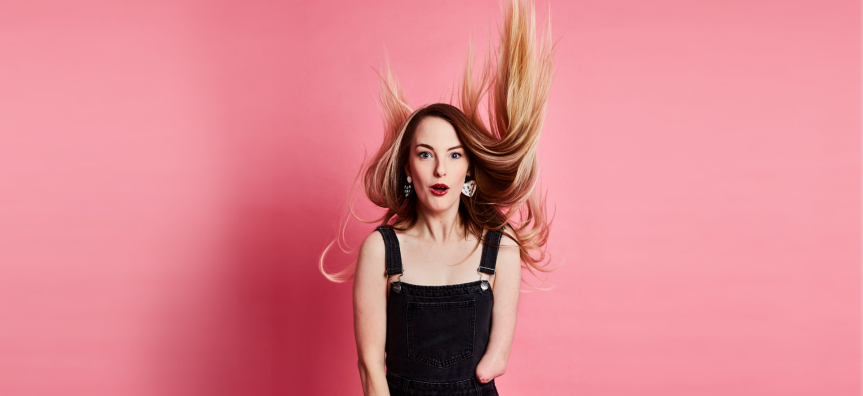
(370, 366)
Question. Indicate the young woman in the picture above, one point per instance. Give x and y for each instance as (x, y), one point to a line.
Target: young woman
(436, 285)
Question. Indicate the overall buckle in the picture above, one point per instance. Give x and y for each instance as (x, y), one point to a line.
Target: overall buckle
(397, 285)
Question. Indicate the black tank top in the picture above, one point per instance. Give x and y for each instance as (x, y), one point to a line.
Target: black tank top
(436, 335)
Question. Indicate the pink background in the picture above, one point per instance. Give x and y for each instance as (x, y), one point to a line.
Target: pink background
(171, 170)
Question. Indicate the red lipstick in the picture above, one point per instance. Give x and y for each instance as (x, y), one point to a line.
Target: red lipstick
(439, 189)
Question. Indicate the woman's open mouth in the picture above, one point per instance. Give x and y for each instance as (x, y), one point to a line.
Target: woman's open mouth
(439, 189)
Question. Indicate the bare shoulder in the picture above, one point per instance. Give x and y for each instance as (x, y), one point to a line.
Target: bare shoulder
(374, 244)
(508, 268)
(506, 240)
(372, 254)
(509, 255)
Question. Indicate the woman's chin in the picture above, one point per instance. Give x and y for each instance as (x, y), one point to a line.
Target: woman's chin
(437, 204)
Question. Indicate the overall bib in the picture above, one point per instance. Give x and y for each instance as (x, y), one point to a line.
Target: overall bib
(436, 335)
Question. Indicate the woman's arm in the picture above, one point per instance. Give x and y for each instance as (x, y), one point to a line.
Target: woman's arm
(370, 315)
(507, 284)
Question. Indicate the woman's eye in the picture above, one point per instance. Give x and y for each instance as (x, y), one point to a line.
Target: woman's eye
(457, 155)
(424, 152)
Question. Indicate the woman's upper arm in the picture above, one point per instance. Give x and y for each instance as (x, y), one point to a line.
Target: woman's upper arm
(507, 282)
(507, 285)
(370, 301)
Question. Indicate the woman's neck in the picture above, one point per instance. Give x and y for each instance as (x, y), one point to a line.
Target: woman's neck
(440, 227)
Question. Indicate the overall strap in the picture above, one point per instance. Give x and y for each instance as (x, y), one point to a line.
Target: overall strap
(394, 255)
(489, 253)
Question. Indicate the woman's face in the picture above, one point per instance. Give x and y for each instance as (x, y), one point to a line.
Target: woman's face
(436, 159)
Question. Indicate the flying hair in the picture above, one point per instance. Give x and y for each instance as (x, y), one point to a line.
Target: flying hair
(515, 83)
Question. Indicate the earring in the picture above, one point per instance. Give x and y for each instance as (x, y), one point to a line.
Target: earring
(469, 186)
(408, 186)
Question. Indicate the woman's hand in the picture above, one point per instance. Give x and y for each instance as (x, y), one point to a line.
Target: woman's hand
(490, 367)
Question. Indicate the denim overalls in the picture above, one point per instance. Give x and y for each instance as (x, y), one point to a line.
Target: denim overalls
(436, 335)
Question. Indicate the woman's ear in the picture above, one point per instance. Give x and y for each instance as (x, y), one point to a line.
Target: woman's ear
(407, 170)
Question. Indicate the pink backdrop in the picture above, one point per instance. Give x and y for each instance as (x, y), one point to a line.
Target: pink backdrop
(171, 170)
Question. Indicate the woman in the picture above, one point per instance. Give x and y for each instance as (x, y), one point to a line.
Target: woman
(433, 312)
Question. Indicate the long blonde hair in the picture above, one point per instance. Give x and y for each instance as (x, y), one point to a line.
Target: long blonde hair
(502, 155)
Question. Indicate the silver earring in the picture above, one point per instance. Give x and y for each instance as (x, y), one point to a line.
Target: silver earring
(408, 187)
(469, 187)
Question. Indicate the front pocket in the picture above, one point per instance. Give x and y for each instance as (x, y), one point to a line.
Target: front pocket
(441, 333)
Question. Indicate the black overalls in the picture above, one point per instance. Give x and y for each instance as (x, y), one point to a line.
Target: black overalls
(436, 335)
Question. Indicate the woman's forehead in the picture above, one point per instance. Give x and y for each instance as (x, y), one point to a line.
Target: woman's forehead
(436, 132)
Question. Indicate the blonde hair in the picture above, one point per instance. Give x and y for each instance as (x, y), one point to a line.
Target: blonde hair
(502, 155)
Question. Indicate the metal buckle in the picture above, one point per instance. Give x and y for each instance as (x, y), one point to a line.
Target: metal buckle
(397, 285)
(483, 283)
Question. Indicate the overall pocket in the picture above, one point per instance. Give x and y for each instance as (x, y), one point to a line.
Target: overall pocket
(441, 333)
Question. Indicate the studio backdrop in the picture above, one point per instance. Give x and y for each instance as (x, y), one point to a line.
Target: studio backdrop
(170, 172)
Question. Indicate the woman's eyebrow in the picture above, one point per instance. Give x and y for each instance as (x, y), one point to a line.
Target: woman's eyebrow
(432, 148)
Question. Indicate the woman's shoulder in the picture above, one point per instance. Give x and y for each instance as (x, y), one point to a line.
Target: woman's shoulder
(376, 236)
(509, 253)
(370, 274)
(506, 238)
(373, 246)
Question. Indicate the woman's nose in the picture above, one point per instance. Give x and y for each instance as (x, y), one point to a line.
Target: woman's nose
(439, 169)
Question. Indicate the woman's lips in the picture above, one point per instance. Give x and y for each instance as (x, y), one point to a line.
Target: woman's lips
(439, 189)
